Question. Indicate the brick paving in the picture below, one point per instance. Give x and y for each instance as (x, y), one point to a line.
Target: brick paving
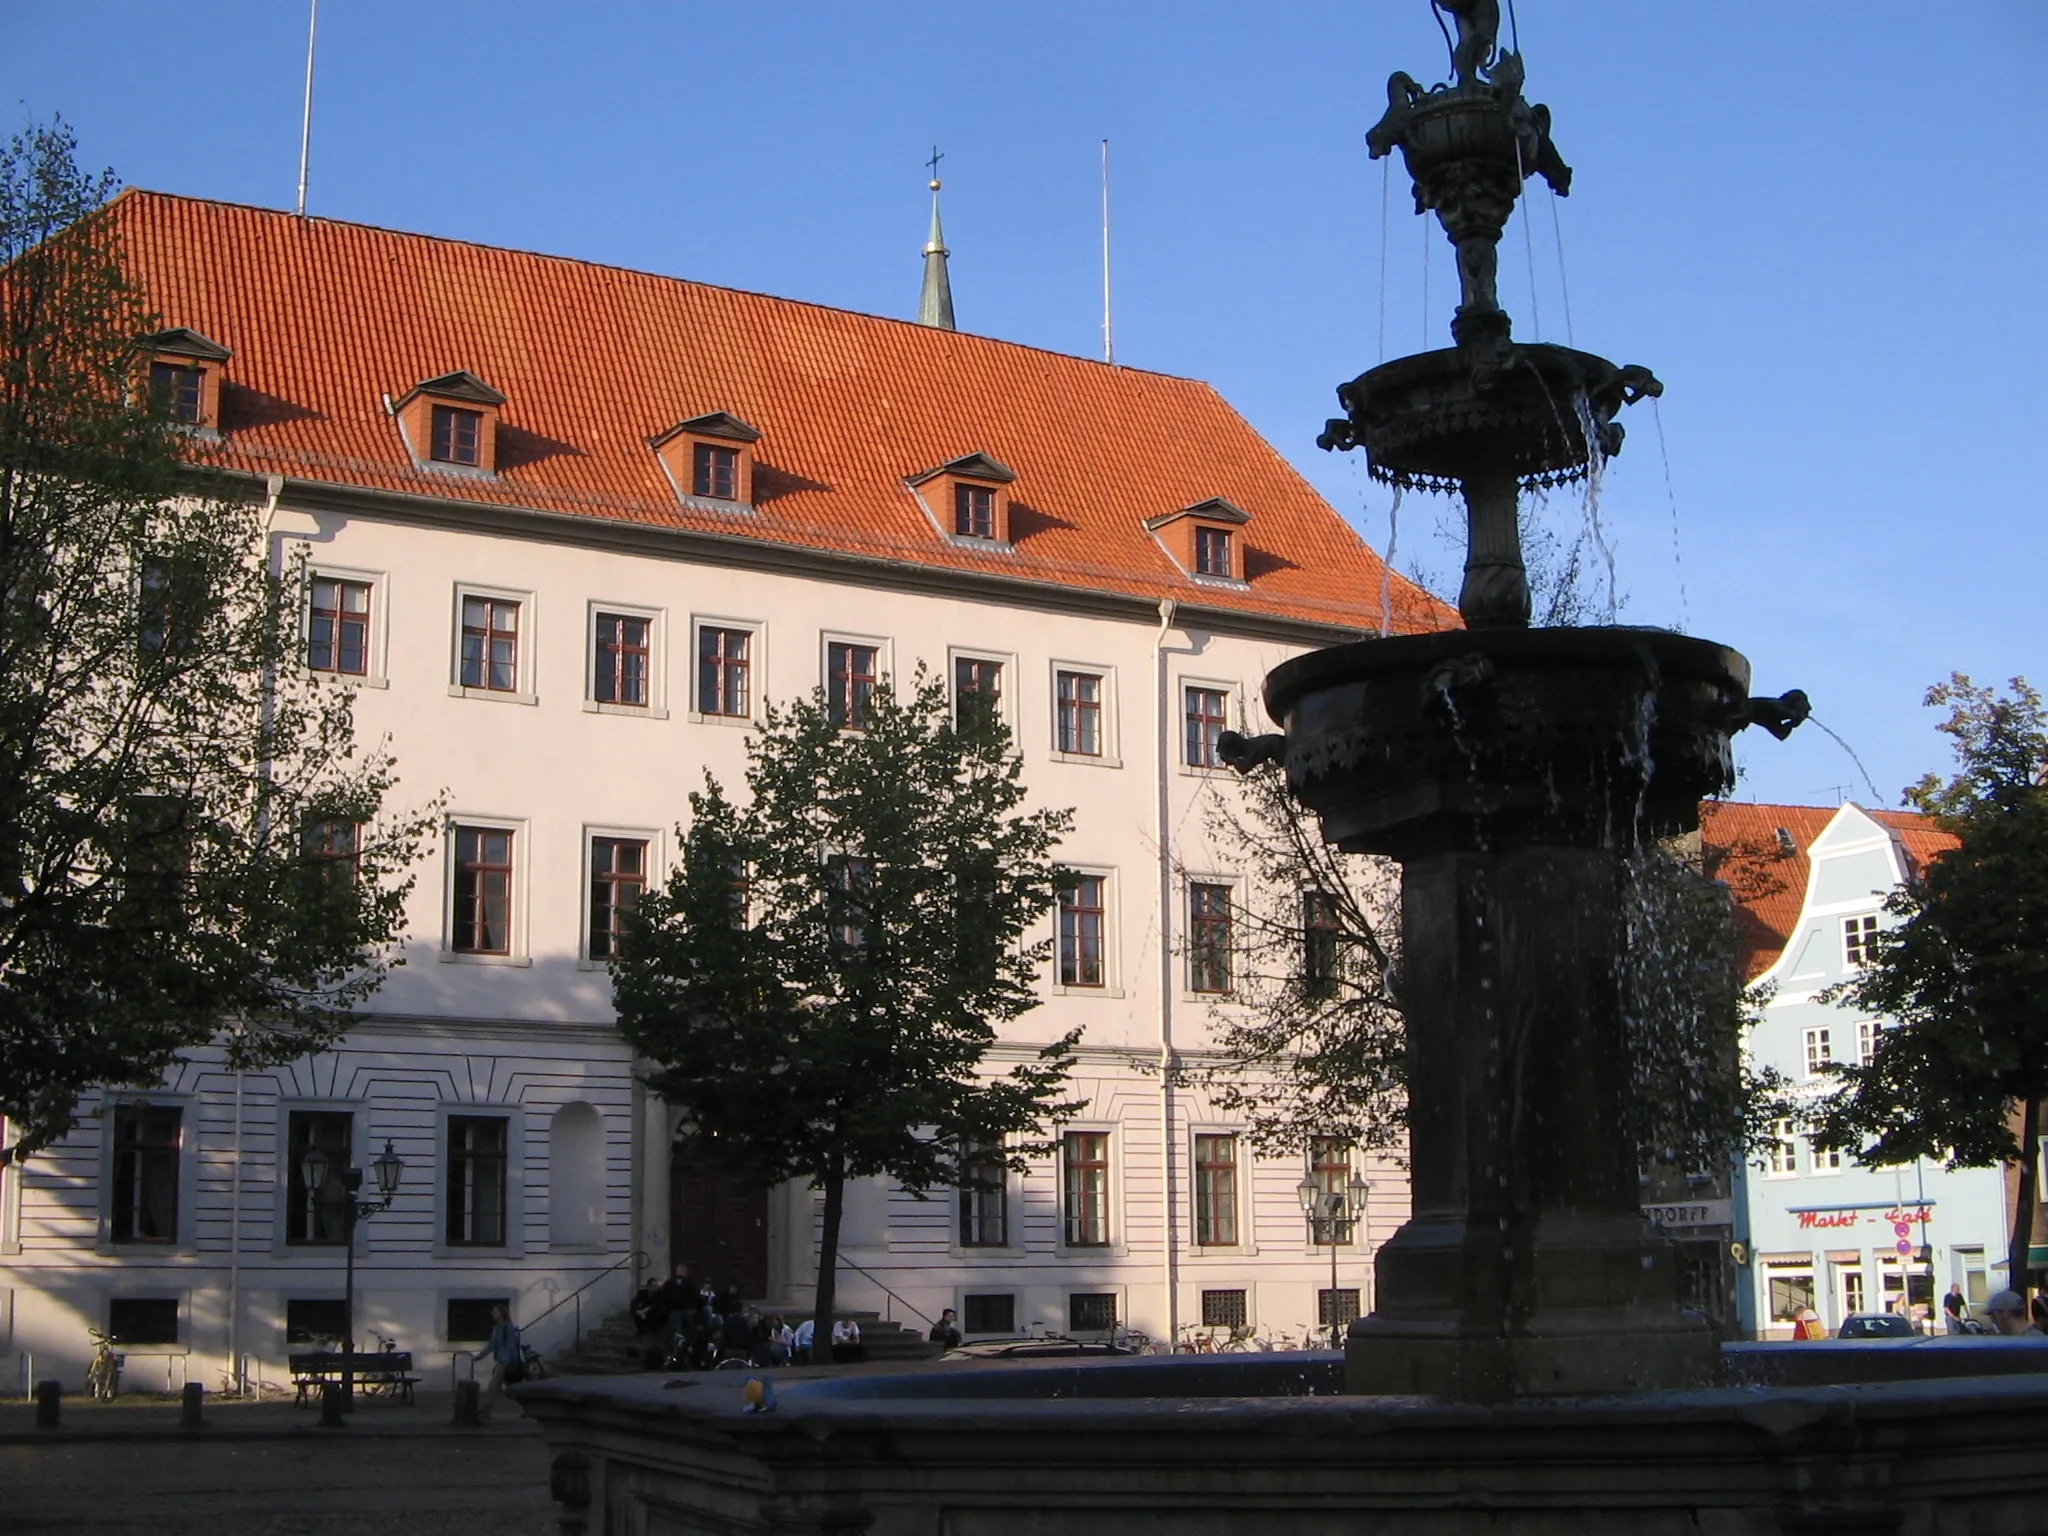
(268, 1468)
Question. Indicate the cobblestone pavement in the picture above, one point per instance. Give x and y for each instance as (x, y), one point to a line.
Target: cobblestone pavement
(268, 1469)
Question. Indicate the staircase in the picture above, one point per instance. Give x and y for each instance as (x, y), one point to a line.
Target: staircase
(612, 1348)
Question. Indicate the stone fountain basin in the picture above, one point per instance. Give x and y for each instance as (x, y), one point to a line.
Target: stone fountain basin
(1927, 1437)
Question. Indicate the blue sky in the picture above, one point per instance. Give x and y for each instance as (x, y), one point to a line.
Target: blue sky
(1812, 221)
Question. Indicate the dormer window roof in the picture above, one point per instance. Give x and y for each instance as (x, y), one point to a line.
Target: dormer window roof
(968, 498)
(451, 422)
(710, 458)
(1205, 539)
(184, 375)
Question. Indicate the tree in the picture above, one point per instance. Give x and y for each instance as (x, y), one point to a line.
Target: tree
(1313, 1041)
(1962, 973)
(192, 847)
(821, 981)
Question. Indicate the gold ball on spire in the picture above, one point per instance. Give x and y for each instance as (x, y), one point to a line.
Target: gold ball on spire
(935, 184)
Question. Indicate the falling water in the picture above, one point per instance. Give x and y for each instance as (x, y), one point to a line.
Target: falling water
(1387, 565)
(1596, 463)
(1670, 495)
(1876, 799)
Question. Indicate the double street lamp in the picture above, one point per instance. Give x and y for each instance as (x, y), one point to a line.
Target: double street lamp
(314, 1167)
(1333, 1213)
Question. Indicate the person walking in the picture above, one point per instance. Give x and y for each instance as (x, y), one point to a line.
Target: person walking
(1952, 1309)
(2008, 1313)
(508, 1364)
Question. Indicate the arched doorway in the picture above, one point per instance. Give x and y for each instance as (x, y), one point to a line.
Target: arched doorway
(576, 1177)
(718, 1225)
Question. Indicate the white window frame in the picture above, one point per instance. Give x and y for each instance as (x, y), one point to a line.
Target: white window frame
(1006, 701)
(656, 870)
(10, 1204)
(757, 670)
(522, 868)
(479, 1255)
(656, 707)
(1857, 929)
(1785, 1141)
(1810, 1059)
(1118, 1246)
(1188, 882)
(1112, 754)
(318, 1256)
(528, 658)
(885, 660)
(186, 1241)
(1822, 1165)
(379, 583)
(1112, 928)
(1233, 710)
(1247, 1244)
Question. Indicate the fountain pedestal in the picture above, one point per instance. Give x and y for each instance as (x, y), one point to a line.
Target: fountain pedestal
(1513, 773)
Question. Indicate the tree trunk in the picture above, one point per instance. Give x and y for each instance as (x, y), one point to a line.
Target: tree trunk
(828, 1269)
(2016, 1269)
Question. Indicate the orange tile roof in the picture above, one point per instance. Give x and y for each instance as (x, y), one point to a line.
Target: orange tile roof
(1741, 848)
(325, 318)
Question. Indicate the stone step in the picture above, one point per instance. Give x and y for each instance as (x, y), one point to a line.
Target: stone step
(614, 1348)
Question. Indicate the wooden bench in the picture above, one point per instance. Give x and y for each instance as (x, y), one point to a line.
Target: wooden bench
(378, 1373)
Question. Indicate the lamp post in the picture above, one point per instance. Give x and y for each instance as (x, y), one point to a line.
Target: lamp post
(313, 1169)
(1333, 1210)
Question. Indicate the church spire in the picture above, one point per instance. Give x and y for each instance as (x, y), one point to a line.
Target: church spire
(935, 305)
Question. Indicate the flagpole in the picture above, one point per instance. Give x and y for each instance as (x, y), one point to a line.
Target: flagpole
(306, 120)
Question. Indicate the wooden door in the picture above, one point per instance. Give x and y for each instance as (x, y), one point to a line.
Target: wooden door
(718, 1225)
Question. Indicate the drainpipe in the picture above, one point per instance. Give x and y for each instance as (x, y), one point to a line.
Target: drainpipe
(1162, 742)
(235, 1249)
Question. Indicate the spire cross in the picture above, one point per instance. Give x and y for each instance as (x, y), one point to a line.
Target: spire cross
(933, 163)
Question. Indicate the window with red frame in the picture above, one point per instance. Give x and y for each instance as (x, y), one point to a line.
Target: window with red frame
(490, 644)
(1215, 1190)
(618, 878)
(336, 848)
(1212, 552)
(338, 629)
(715, 472)
(1084, 1157)
(974, 511)
(1078, 698)
(483, 891)
(851, 673)
(621, 671)
(457, 435)
(1209, 938)
(1081, 930)
(724, 672)
(1206, 721)
(178, 391)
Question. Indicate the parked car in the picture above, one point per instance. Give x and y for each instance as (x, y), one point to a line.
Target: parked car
(1048, 1347)
(1876, 1325)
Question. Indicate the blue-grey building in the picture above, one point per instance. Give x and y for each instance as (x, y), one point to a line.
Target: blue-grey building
(1812, 1227)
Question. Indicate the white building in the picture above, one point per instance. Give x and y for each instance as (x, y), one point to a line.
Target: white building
(1810, 885)
(569, 526)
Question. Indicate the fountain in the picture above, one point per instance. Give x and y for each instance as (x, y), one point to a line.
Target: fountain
(1528, 1365)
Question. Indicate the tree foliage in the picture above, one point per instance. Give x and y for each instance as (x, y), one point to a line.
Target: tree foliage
(822, 980)
(162, 755)
(1961, 974)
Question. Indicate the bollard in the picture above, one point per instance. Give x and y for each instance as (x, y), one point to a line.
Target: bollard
(330, 1406)
(189, 1404)
(49, 1395)
(466, 1399)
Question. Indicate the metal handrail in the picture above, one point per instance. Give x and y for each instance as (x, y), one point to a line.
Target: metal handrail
(635, 1258)
(888, 1293)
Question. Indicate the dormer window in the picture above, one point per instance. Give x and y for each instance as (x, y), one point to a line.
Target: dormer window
(184, 376)
(1203, 539)
(458, 435)
(974, 511)
(1212, 552)
(710, 458)
(178, 391)
(715, 472)
(968, 498)
(452, 422)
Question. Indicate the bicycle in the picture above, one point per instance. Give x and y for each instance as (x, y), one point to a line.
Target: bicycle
(103, 1376)
(536, 1369)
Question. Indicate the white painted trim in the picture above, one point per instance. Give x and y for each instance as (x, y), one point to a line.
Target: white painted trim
(379, 583)
(656, 870)
(526, 660)
(656, 707)
(1112, 935)
(757, 670)
(514, 1246)
(1111, 755)
(522, 863)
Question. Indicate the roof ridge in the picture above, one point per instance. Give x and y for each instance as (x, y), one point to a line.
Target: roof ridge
(662, 277)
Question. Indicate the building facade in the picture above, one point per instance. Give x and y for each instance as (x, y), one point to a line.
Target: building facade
(566, 530)
(1818, 1231)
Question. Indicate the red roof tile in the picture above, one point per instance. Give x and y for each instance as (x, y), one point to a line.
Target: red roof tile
(1742, 849)
(326, 318)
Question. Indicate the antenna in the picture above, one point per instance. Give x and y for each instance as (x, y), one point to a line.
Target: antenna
(1108, 336)
(306, 121)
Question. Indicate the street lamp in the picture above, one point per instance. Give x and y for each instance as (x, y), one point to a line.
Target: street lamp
(385, 1167)
(1332, 1209)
